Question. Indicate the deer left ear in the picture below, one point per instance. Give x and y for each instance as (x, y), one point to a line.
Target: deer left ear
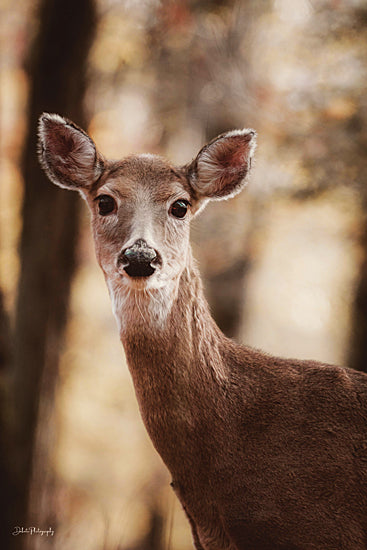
(220, 170)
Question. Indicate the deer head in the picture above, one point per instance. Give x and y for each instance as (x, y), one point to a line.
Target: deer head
(141, 206)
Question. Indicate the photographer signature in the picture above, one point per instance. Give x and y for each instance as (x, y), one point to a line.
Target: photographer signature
(33, 531)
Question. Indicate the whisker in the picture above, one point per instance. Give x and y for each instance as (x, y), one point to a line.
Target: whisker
(140, 311)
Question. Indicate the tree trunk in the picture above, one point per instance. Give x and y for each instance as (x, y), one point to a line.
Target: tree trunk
(358, 341)
(8, 493)
(57, 70)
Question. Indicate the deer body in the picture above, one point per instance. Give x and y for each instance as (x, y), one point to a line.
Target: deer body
(265, 453)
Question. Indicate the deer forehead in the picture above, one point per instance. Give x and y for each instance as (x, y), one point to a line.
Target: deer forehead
(143, 178)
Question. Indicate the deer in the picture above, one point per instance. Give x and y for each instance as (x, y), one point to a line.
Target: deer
(265, 453)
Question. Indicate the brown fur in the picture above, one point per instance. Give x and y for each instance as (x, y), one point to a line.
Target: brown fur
(265, 453)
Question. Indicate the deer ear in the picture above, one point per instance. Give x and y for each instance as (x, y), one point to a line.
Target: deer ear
(67, 153)
(220, 170)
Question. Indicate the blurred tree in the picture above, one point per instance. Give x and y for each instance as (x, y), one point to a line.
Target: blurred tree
(358, 341)
(57, 75)
(356, 131)
(330, 136)
(8, 488)
(4, 336)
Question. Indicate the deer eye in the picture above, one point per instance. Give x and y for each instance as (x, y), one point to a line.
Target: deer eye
(106, 205)
(179, 208)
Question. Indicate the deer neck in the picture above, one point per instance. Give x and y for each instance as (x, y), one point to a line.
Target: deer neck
(177, 363)
(171, 327)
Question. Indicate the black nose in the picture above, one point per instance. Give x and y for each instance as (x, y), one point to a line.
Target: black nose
(136, 260)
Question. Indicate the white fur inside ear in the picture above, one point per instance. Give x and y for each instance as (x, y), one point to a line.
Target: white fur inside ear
(222, 161)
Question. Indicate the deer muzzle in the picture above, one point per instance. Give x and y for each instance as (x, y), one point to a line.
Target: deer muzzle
(139, 260)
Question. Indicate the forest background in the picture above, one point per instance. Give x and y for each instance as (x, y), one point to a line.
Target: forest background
(284, 263)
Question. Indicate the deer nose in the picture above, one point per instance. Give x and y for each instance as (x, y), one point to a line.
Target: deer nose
(137, 259)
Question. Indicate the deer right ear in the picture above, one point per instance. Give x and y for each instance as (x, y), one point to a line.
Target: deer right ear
(67, 153)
